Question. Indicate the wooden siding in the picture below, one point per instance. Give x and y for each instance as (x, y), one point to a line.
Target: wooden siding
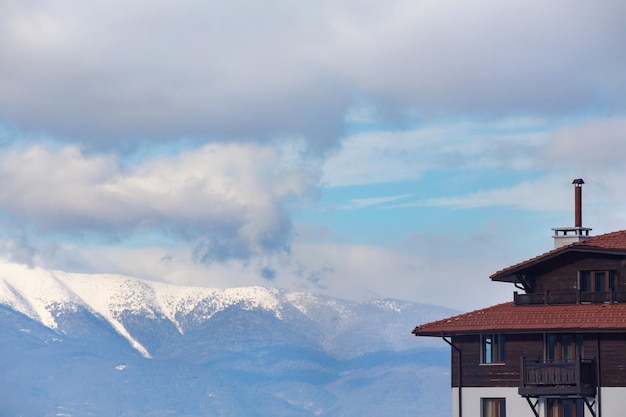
(475, 374)
(565, 276)
(612, 359)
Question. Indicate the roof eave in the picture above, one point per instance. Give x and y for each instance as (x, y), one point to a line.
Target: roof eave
(452, 333)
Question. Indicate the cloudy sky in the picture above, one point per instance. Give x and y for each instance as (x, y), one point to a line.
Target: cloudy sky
(358, 148)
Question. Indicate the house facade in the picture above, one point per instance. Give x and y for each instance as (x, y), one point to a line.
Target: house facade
(559, 348)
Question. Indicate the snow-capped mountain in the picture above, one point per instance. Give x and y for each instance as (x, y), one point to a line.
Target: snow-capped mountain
(78, 345)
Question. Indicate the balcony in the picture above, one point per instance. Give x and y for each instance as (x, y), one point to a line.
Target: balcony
(569, 297)
(558, 378)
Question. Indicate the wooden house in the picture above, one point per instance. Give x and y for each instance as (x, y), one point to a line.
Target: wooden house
(559, 348)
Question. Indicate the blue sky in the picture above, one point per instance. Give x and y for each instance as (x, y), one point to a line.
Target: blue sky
(361, 149)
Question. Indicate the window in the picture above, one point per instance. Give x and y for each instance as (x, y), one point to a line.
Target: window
(493, 407)
(598, 282)
(492, 348)
(565, 407)
(563, 347)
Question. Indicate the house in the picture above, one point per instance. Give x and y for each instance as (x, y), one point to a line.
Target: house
(559, 348)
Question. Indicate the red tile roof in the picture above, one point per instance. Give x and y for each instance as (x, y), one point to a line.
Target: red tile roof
(614, 242)
(511, 318)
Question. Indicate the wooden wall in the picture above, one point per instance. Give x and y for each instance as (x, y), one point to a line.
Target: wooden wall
(564, 277)
(474, 374)
(613, 360)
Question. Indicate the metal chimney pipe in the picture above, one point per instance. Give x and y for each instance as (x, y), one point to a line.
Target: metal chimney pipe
(578, 202)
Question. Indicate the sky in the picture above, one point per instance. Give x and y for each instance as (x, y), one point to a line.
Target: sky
(356, 148)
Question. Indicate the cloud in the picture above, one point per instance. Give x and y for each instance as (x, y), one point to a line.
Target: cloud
(552, 154)
(549, 193)
(190, 132)
(484, 57)
(358, 203)
(395, 156)
(592, 145)
(232, 200)
(110, 73)
(268, 273)
(354, 272)
(19, 251)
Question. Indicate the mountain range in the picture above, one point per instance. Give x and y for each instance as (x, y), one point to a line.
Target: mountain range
(79, 345)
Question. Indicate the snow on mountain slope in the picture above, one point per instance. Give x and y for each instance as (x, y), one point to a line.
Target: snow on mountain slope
(32, 291)
(36, 293)
(41, 295)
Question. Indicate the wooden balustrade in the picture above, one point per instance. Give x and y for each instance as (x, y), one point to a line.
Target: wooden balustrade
(558, 378)
(569, 297)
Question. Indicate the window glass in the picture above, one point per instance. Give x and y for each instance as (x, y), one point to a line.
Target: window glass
(613, 280)
(597, 281)
(600, 280)
(563, 347)
(493, 407)
(585, 281)
(565, 407)
(492, 348)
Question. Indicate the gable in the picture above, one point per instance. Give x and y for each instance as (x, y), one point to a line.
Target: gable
(610, 245)
(562, 273)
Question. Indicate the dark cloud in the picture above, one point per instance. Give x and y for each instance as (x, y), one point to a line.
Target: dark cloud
(108, 74)
(223, 244)
(19, 250)
(493, 57)
(268, 273)
(160, 72)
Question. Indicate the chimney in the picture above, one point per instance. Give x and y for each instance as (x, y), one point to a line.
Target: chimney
(578, 202)
(567, 235)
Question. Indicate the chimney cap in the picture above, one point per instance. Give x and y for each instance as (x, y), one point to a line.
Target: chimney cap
(578, 181)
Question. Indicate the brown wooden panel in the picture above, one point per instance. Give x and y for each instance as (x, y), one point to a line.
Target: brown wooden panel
(563, 276)
(475, 374)
(612, 359)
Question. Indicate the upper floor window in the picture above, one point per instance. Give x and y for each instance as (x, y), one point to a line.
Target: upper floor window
(492, 348)
(597, 286)
(597, 281)
(493, 407)
(563, 347)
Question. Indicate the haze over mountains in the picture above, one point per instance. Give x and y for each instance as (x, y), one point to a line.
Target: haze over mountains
(106, 345)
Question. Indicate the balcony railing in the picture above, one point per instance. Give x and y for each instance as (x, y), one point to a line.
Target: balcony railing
(569, 297)
(558, 378)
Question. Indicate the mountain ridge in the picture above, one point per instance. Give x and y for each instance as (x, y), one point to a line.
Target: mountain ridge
(78, 345)
(41, 294)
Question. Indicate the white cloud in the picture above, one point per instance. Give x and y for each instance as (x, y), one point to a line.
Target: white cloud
(543, 194)
(235, 200)
(358, 203)
(354, 272)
